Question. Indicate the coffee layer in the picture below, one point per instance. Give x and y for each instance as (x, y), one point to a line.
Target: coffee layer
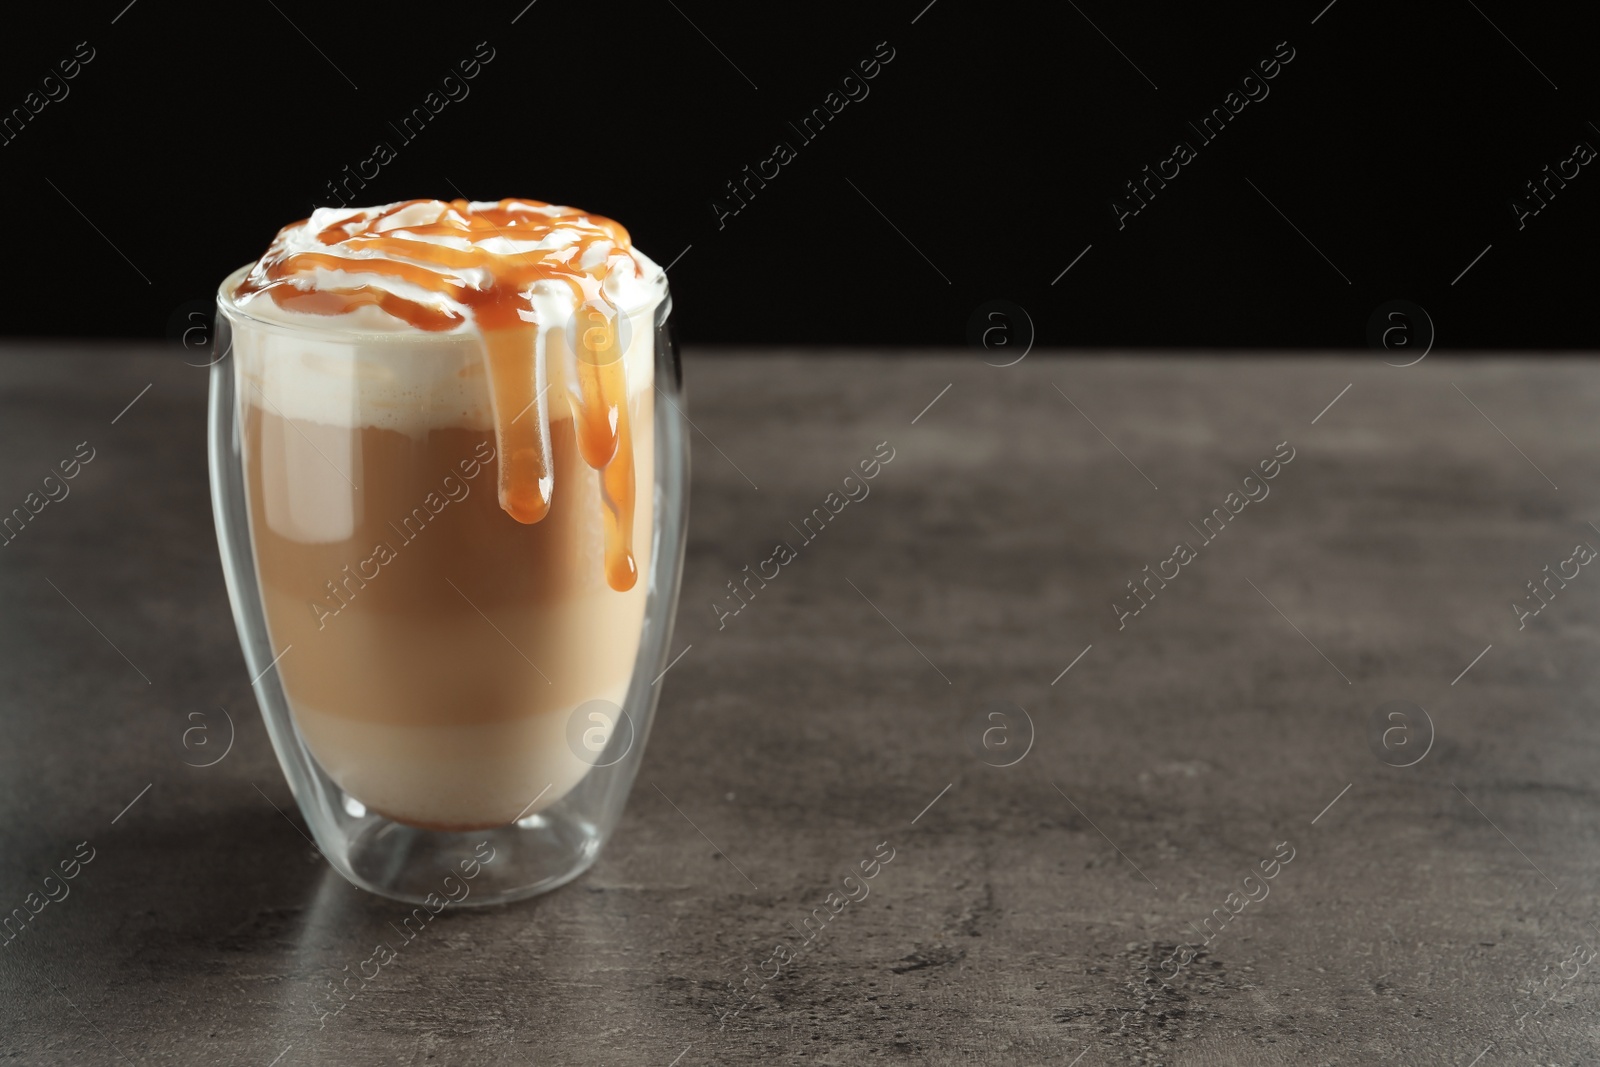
(436, 649)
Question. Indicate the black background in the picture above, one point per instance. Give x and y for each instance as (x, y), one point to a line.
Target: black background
(994, 142)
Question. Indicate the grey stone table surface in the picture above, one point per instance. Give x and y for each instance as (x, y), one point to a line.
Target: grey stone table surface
(1036, 912)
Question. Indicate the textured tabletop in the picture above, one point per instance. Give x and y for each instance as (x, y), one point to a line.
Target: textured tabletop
(1218, 711)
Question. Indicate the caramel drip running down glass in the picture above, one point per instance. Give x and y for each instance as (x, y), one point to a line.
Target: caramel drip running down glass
(451, 517)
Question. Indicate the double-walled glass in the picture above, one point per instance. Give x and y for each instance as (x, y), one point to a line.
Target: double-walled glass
(452, 694)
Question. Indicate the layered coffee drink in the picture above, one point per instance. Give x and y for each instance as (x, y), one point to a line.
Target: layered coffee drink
(447, 431)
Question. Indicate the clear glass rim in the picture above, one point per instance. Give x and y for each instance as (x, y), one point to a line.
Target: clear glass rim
(227, 305)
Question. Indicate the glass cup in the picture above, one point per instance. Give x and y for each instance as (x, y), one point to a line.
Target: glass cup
(457, 699)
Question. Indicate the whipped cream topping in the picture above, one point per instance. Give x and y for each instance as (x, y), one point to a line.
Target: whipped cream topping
(354, 250)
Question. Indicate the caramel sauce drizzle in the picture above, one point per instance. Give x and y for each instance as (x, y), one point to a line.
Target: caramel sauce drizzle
(503, 310)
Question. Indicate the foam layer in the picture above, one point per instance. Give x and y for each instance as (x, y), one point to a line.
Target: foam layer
(411, 381)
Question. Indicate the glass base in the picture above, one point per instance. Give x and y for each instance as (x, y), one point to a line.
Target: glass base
(532, 856)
